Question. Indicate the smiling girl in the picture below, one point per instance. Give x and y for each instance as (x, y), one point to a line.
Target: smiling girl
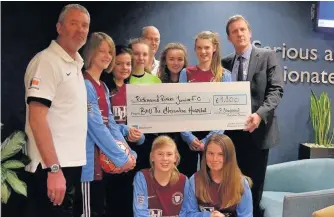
(219, 189)
(140, 54)
(141, 50)
(161, 190)
(173, 60)
(208, 69)
(116, 82)
(104, 136)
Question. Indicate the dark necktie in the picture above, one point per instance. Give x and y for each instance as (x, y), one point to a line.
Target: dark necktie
(240, 69)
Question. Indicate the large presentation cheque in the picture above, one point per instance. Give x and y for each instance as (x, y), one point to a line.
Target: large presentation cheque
(157, 108)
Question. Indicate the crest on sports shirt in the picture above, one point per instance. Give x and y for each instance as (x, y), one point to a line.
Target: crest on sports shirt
(177, 198)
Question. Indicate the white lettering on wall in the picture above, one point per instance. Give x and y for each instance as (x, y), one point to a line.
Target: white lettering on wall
(304, 54)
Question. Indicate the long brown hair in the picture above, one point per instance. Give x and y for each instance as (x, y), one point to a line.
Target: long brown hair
(160, 142)
(231, 187)
(164, 73)
(216, 66)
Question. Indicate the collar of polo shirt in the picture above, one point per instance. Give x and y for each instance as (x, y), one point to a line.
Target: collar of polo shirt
(57, 48)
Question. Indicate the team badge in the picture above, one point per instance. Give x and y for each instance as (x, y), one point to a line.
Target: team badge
(177, 198)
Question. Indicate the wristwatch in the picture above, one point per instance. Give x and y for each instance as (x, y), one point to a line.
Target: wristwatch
(54, 168)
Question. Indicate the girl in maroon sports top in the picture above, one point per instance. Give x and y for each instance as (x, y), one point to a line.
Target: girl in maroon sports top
(104, 134)
(116, 81)
(173, 60)
(219, 189)
(161, 191)
(208, 69)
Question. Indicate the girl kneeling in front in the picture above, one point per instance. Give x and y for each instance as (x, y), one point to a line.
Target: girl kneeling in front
(160, 191)
(219, 189)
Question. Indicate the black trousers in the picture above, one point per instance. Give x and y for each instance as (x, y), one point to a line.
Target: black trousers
(112, 196)
(252, 162)
(38, 198)
(119, 187)
(119, 194)
(90, 199)
(109, 197)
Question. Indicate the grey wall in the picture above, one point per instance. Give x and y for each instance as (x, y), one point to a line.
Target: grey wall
(273, 23)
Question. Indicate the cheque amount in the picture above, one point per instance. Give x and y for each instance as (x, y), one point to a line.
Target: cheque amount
(238, 99)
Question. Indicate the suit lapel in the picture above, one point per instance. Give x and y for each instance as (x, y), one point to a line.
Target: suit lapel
(254, 57)
(232, 61)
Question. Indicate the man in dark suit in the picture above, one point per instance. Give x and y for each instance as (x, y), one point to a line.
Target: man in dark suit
(260, 67)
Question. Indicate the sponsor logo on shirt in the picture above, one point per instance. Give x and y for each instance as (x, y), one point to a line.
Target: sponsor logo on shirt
(155, 213)
(119, 113)
(34, 83)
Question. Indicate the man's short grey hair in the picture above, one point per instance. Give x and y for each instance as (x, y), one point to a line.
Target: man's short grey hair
(143, 30)
(67, 8)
